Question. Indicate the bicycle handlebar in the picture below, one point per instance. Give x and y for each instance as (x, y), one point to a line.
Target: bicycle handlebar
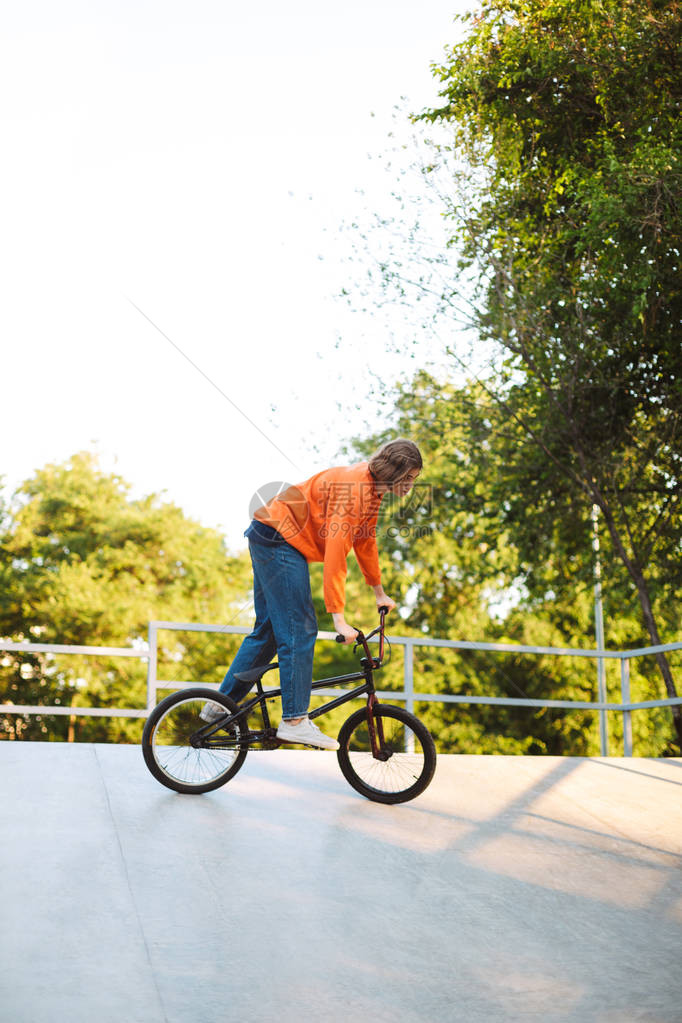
(362, 640)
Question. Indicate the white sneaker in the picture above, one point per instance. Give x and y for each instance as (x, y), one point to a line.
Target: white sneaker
(307, 733)
(212, 711)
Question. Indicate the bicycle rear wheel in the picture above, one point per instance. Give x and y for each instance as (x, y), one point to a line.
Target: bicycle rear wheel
(405, 763)
(190, 755)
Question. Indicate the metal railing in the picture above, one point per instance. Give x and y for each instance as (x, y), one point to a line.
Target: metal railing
(141, 652)
(408, 694)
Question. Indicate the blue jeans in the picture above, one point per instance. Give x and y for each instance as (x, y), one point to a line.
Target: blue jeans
(285, 621)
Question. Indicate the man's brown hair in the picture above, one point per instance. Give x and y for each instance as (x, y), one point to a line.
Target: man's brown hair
(392, 462)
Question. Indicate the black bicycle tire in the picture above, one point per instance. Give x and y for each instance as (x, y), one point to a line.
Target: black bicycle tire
(197, 693)
(419, 729)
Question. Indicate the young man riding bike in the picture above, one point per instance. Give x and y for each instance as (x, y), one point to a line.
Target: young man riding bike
(320, 519)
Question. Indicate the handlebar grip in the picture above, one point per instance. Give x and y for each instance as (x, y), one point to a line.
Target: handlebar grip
(384, 609)
(358, 636)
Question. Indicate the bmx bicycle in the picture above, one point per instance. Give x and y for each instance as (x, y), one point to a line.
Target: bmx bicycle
(385, 752)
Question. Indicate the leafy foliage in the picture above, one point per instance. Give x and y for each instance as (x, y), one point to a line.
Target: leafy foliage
(84, 564)
(473, 560)
(554, 158)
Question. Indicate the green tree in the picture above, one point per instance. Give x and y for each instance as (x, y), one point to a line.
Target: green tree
(558, 139)
(83, 563)
(465, 569)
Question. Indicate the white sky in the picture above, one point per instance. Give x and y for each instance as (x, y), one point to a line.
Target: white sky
(197, 159)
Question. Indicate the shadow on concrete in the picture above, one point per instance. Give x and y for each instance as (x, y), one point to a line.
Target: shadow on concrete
(512, 889)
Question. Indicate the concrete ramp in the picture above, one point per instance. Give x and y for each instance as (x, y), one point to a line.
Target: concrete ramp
(514, 888)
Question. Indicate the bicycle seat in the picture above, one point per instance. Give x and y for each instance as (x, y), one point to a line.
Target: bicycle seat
(254, 674)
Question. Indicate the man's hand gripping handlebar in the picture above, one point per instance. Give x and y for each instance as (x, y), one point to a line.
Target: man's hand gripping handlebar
(362, 641)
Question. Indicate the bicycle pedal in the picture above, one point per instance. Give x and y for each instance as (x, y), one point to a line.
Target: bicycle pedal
(270, 740)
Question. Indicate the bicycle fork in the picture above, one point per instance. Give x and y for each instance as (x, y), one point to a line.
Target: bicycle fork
(376, 734)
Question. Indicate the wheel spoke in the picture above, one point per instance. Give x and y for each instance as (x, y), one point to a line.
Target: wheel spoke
(403, 765)
(174, 753)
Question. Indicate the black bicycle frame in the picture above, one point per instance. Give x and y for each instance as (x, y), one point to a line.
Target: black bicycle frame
(263, 695)
(368, 664)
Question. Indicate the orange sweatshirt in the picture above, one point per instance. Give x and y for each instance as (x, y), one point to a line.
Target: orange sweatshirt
(324, 517)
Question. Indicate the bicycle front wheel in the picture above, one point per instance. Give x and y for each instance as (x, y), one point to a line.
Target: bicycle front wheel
(405, 761)
(187, 754)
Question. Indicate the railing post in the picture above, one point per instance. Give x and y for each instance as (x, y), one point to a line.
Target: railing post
(599, 630)
(151, 666)
(603, 713)
(625, 698)
(408, 686)
(408, 677)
